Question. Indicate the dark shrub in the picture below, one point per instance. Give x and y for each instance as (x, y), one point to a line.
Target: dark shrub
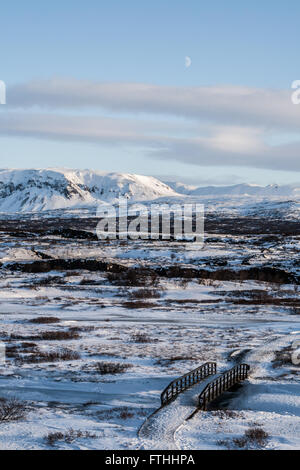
(111, 367)
(48, 336)
(141, 338)
(145, 294)
(12, 409)
(44, 320)
(53, 356)
(257, 436)
(58, 335)
(69, 436)
(137, 304)
(134, 277)
(253, 437)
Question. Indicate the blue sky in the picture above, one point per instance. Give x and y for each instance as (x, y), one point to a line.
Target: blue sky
(242, 45)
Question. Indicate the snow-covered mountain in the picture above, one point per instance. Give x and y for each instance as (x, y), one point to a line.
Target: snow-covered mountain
(42, 190)
(50, 189)
(248, 190)
(181, 188)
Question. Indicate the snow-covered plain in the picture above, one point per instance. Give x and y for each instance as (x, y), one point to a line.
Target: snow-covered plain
(160, 329)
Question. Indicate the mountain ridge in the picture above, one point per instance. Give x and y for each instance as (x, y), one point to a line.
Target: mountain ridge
(38, 190)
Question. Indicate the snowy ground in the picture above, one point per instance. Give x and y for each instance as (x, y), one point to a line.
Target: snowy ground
(160, 328)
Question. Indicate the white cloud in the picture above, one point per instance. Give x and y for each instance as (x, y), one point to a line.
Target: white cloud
(226, 104)
(222, 126)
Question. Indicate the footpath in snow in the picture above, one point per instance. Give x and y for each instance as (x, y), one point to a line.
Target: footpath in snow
(158, 430)
(269, 399)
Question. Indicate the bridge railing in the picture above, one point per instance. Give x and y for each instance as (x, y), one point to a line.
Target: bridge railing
(215, 388)
(186, 381)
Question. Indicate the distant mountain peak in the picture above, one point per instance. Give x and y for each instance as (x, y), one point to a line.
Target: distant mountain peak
(36, 190)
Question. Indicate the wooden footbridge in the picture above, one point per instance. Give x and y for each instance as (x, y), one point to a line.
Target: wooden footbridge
(213, 390)
(186, 381)
(178, 403)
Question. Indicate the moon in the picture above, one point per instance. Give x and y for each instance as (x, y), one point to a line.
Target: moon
(188, 62)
